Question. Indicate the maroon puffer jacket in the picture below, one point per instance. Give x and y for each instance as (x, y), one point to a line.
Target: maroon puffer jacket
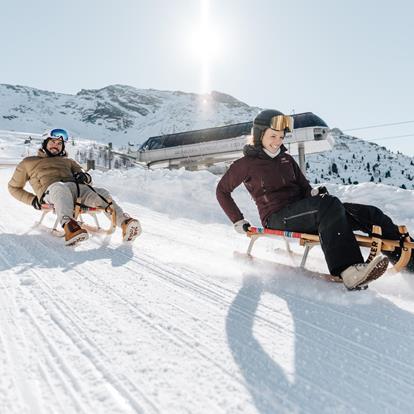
(273, 183)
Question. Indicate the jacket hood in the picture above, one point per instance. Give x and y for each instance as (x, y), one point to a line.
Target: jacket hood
(257, 152)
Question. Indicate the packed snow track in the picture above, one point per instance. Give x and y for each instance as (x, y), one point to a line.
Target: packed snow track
(174, 324)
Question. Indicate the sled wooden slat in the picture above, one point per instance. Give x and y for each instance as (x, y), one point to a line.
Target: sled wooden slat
(78, 212)
(376, 244)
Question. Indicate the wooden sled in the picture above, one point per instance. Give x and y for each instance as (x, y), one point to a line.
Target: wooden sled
(375, 243)
(79, 211)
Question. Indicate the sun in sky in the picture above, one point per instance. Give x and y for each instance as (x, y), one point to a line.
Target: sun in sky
(206, 45)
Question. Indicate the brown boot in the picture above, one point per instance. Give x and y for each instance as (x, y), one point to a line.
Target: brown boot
(131, 229)
(74, 233)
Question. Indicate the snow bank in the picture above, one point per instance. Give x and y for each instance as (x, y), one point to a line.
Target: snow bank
(192, 195)
(179, 193)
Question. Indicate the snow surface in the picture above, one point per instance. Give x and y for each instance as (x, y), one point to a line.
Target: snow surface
(175, 324)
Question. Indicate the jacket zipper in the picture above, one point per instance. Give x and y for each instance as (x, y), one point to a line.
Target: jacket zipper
(266, 199)
(300, 215)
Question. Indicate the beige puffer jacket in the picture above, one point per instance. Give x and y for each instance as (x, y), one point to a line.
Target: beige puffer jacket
(40, 171)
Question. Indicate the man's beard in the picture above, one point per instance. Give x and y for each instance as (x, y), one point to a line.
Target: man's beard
(53, 152)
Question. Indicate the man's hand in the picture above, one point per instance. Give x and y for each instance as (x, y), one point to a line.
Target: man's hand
(82, 177)
(241, 226)
(36, 203)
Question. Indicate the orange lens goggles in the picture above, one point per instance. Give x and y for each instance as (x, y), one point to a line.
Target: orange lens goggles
(282, 123)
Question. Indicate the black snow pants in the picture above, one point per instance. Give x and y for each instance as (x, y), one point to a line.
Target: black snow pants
(335, 222)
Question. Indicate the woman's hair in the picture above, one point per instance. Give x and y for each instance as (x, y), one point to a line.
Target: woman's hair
(255, 137)
(250, 139)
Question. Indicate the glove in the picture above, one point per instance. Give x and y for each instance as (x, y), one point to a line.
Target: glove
(82, 177)
(241, 226)
(319, 191)
(36, 203)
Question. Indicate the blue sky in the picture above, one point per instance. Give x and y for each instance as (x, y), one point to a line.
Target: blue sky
(351, 62)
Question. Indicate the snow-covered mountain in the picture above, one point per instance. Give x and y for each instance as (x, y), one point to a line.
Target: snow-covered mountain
(117, 113)
(123, 114)
(354, 161)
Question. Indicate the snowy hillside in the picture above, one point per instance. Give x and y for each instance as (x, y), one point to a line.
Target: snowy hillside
(175, 324)
(354, 161)
(117, 113)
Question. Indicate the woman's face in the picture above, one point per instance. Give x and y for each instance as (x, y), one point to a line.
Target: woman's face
(272, 139)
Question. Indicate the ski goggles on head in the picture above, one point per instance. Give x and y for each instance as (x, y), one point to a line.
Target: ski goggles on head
(282, 123)
(58, 133)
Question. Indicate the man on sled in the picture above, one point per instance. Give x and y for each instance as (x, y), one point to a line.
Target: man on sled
(286, 201)
(59, 180)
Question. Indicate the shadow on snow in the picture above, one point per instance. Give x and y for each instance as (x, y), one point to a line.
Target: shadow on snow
(353, 352)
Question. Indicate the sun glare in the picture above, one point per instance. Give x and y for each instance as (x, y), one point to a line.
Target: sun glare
(205, 44)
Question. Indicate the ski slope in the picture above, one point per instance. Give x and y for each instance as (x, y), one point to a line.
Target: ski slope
(175, 324)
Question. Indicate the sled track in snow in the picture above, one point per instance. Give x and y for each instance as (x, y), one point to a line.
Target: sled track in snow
(186, 282)
(91, 350)
(14, 340)
(86, 347)
(59, 303)
(176, 337)
(145, 318)
(404, 375)
(223, 297)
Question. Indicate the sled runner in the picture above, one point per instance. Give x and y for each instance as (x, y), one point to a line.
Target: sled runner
(80, 210)
(375, 243)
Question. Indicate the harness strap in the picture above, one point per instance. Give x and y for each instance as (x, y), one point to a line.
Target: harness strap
(376, 235)
(81, 205)
(403, 238)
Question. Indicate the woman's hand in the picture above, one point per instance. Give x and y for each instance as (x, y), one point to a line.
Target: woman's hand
(241, 226)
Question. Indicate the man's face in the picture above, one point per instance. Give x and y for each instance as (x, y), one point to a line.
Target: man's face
(54, 146)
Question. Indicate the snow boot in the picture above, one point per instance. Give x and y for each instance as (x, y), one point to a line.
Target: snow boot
(74, 233)
(363, 273)
(131, 229)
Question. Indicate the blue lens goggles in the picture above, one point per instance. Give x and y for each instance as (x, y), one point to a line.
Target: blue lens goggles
(59, 133)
